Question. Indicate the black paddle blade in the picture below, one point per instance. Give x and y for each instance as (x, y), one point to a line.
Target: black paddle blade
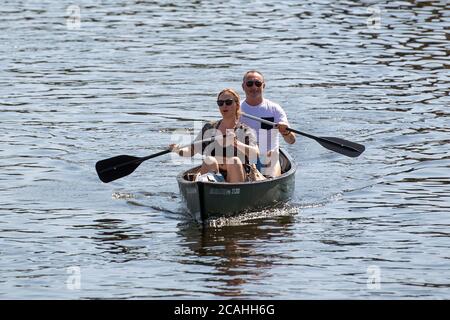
(345, 147)
(116, 167)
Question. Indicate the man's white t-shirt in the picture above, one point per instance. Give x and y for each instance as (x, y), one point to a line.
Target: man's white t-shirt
(267, 139)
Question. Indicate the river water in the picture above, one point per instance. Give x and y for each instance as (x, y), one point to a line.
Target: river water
(125, 77)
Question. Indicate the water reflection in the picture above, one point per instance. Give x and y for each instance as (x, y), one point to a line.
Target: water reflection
(236, 252)
(137, 71)
(112, 237)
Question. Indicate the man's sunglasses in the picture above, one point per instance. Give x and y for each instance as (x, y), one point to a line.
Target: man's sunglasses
(257, 83)
(228, 102)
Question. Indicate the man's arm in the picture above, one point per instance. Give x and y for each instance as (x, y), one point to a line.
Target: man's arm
(283, 124)
(288, 136)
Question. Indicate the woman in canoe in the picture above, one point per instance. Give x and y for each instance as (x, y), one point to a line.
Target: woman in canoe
(227, 158)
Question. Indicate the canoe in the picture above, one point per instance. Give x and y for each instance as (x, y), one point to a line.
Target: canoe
(211, 200)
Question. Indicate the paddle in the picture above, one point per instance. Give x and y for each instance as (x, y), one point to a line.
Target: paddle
(121, 166)
(345, 147)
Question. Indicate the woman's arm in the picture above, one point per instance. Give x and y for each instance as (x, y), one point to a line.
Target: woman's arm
(251, 152)
(197, 145)
(245, 141)
(183, 152)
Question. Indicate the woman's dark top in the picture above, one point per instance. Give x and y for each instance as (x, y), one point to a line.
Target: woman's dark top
(243, 133)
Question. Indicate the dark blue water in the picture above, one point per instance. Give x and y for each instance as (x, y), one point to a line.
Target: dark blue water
(132, 74)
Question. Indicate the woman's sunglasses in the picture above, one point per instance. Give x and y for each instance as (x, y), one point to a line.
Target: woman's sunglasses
(228, 102)
(257, 83)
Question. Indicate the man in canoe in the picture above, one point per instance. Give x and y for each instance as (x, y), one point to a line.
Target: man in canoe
(227, 158)
(268, 138)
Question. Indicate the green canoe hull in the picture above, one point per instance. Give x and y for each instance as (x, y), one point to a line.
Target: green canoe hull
(211, 200)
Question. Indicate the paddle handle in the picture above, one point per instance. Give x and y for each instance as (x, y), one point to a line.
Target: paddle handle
(275, 124)
(169, 151)
(154, 155)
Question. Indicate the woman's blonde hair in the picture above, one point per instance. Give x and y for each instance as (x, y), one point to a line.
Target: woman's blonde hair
(236, 99)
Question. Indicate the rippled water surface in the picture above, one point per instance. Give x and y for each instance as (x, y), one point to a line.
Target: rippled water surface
(134, 72)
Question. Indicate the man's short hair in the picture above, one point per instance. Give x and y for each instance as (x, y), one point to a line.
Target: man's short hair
(252, 71)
